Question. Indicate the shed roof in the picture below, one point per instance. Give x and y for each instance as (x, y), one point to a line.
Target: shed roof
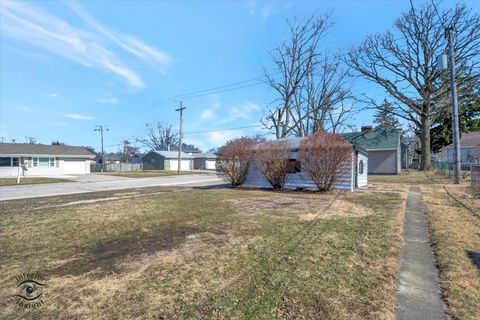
(374, 140)
(43, 149)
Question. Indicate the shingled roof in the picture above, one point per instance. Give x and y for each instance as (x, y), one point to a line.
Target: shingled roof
(25, 149)
(470, 139)
(374, 140)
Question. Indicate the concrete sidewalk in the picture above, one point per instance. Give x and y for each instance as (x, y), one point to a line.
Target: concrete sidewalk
(102, 183)
(419, 294)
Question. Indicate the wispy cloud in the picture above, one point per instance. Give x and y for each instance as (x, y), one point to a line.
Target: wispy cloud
(38, 27)
(53, 95)
(126, 42)
(77, 116)
(108, 101)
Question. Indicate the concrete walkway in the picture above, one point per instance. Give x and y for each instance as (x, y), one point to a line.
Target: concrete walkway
(94, 183)
(419, 295)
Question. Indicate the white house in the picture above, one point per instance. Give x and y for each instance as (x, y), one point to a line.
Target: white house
(355, 177)
(43, 160)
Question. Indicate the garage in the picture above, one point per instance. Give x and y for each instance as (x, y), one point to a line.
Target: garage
(184, 167)
(74, 167)
(210, 164)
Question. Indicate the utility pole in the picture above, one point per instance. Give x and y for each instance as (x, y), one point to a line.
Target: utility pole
(101, 128)
(180, 137)
(450, 34)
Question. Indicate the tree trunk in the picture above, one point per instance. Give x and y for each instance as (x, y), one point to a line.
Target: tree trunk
(425, 143)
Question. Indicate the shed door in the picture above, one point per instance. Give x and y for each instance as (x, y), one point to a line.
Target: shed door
(74, 167)
(184, 167)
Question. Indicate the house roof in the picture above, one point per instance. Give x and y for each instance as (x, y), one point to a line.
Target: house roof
(43, 149)
(470, 139)
(204, 155)
(185, 155)
(374, 140)
(172, 154)
(295, 143)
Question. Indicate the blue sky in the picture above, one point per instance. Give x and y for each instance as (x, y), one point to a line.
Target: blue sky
(68, 66)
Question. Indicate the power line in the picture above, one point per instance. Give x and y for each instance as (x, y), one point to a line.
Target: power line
(224, 129)
(217, 88)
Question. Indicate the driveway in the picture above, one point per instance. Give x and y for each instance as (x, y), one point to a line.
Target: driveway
(95, 182)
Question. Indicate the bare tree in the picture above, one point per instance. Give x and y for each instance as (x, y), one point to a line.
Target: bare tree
(159, 135)
(326, 158)
(293, 61)
(127, 150)
(234, 159)
(327, 91)
(272, 158)
(404, 64)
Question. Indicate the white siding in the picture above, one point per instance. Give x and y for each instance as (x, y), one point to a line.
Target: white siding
(297, 180)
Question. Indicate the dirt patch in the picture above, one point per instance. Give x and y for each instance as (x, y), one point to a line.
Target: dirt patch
(304, 208)
(107, 258)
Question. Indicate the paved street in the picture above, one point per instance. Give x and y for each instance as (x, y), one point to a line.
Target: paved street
(95, 182)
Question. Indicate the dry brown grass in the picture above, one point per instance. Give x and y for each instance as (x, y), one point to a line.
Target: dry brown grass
(454, 232)
(30, 180)
(206, 253)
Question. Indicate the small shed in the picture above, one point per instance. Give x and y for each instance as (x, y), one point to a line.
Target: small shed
(167, 160)
(383, 147)
(296, 178)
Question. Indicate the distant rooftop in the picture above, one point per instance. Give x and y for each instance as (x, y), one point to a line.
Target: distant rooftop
(470, 139)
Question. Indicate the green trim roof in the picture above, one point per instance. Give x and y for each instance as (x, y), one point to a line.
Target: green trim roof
(374, 140)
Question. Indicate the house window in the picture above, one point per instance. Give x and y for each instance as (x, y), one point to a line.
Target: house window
(44, 162)
(15, 162)
(360, 167)
(294, 166)
(5, 162)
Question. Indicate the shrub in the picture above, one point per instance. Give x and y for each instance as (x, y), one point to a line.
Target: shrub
(233, 160)
(272, 160)
(326, 158)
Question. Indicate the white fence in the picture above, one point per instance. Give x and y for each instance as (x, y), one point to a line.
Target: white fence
(116, 167)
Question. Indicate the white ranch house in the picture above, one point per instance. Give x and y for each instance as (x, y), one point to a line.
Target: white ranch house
(43, 160)
(355, 177)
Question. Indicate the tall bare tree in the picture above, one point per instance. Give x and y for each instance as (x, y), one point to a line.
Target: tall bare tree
(159, 135)
(404, 63)
(293, 60)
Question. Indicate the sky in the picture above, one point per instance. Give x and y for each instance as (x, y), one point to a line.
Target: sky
(66, 66)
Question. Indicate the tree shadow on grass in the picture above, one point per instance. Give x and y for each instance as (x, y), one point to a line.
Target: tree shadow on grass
(474, 257)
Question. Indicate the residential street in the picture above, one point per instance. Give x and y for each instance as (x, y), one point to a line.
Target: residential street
(95, 182)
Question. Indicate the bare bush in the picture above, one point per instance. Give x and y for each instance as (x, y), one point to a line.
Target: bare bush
(326, 158)
(272, 160)
(233, 160)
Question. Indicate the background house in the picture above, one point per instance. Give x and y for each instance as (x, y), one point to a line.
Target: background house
(166, 160)
(204, 161)
(355, 177)
(469, 149)
(383, 147)
(44, 160)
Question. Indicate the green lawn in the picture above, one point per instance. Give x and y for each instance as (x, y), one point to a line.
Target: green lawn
(30, 180)
(148, 173)
(218, 253)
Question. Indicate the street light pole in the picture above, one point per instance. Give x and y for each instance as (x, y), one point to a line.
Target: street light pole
(449, 34)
